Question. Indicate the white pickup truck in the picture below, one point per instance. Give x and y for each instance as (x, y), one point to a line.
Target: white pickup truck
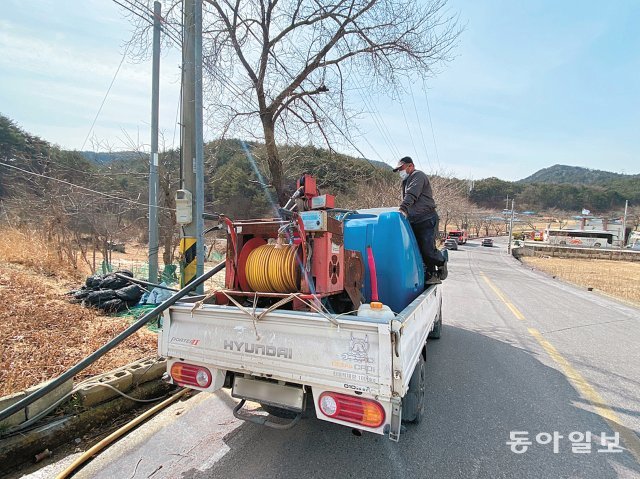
(365, 373)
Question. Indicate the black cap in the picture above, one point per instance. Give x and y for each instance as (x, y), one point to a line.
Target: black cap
(403, 161)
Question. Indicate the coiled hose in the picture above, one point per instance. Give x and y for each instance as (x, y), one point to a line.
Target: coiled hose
(273, 269)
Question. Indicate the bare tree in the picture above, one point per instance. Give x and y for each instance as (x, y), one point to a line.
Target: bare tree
(450, 195)
(288, 66)
(559, 216)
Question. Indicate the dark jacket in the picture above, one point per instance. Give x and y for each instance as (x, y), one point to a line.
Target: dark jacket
(417, 197)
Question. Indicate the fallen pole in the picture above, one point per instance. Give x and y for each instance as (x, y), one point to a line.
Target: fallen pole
(70, 373)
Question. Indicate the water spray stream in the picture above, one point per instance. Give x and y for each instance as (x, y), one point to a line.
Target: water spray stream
(258, 174)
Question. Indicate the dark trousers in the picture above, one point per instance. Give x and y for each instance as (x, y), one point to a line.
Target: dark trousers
(425, 232)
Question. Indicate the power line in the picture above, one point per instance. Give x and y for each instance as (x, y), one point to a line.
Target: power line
(379, 122)
(406, 122)
(433, 135)
(424, 143)
(82, 187)
(124, 55)
(168, 29)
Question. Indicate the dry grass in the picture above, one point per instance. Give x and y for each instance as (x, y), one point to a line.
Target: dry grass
(41, 333)
(30, 249)
(617, 278)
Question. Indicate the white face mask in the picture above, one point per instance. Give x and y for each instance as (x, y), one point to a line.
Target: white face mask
(403, 174)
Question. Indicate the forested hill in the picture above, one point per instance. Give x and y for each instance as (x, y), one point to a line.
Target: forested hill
(576, 175)
(234, 186)
(569, 188)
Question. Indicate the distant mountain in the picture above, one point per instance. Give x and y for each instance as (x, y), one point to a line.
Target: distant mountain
(104, 158)
(575, 175)
(381, 164)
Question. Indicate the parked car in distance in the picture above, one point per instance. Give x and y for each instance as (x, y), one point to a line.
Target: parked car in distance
(451, 244)
(487, 242)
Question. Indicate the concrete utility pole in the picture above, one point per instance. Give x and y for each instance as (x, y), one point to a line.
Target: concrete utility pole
(153, 160)
(513, 202)
(188, 234)
(199, 141)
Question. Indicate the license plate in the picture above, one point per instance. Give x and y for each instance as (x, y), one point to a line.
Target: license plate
(274, 394)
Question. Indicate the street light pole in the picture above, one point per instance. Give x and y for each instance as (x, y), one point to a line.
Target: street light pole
(513, 202)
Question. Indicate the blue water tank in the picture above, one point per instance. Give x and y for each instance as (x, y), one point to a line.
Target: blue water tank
(398, 261)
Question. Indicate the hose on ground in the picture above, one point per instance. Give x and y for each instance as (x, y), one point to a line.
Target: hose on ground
(116, 434)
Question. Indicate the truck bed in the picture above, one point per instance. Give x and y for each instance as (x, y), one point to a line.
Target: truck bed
(365, 356)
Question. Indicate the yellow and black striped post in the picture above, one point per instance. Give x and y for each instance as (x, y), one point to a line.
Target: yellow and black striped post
(188, 263)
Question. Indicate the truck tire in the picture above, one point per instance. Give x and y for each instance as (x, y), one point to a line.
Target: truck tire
(413, 401)
(437, 328)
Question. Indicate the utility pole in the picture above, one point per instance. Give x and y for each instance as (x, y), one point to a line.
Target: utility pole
(199, 141)
(188, 233)
(624, 224)
(513, 202)
(153, 160)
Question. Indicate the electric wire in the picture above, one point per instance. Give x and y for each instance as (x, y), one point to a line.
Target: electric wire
(223, 80)
(168, 29)
(433, 135)
(406, 122)
(379, 122)
(124, 55)
(424, 143)
(107, 195)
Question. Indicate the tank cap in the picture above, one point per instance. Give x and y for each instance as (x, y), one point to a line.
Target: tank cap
(376, 305)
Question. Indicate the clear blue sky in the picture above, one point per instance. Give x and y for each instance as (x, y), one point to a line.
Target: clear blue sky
(533, 84)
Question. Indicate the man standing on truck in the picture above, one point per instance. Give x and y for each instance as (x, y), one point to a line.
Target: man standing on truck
(419, 208)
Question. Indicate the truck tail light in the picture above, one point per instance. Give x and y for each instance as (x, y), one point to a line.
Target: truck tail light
(184, 374)
(364, 412)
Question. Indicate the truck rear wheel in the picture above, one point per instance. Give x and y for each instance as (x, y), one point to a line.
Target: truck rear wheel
(437, 327)
(413, 401)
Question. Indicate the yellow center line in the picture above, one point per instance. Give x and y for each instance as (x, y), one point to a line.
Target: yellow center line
(516, 312)
(585, 389)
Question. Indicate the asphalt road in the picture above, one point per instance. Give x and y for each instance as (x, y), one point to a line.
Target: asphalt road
(520, 351)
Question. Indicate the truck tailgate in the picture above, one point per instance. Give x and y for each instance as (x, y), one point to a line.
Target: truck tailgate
(299, 347)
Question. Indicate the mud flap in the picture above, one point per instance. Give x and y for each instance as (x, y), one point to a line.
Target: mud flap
(396, 419)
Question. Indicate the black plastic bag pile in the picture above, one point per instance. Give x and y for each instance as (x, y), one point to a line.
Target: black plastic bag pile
(108, 292)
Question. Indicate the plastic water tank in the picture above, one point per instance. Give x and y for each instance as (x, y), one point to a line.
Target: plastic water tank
(398, 261)
(375, 310)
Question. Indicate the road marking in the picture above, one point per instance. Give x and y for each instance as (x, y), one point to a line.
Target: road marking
(588, 392)
(585, 389)
(516, 312)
